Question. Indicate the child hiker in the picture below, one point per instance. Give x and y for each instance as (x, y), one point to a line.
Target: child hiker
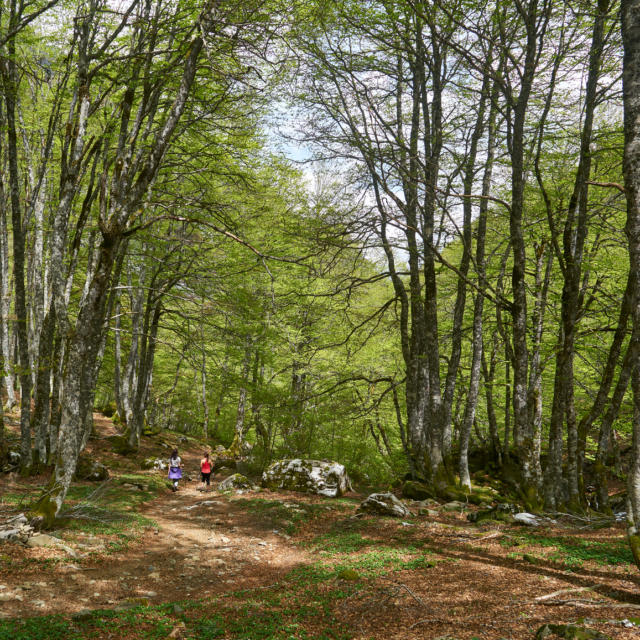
(205, 471)
(175, 469)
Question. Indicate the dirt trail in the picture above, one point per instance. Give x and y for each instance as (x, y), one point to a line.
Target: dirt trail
(203, 544)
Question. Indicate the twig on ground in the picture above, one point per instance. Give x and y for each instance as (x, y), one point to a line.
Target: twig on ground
(562, 592)
(589, 603)
(495, 534)
(574, 602)
(413, 595)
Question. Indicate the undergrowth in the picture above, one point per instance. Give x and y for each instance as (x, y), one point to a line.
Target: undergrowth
(573, 552)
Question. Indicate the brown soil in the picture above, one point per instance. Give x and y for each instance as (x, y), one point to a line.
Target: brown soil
(208, 544)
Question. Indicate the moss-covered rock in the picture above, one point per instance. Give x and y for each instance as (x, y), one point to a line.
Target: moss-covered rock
(121, 446)
(109, 409)
(328, 479)
(237, 481)
(569, 632)
(417, 490)
(349, 574)
(502, 512)
(88, 469)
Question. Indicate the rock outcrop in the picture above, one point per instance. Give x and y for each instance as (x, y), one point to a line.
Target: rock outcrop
(16, 529)
(324, 478)
(154, 463)
(384, 504)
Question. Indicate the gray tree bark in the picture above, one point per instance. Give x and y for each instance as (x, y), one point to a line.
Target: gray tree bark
(630, 13)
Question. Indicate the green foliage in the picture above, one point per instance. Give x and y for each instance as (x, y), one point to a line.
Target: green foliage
(283, 515)
(340, 542)
(572, 552)
(42, 628)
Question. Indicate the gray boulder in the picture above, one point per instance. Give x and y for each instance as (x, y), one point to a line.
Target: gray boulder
(324, 478)
(527, 519)
(236, 481)
(384, 504)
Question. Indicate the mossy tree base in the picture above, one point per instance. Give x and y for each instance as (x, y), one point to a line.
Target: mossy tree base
(44, 511)
(634, 543)
(122, 446)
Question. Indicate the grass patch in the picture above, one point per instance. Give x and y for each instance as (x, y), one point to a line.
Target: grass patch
(279, 613)
(340, 542)
(384, 560)
(285, 516)
(573, 552)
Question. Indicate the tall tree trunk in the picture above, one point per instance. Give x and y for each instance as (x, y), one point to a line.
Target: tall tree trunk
(630, 12)
(10, 84)
(5, 288)
(478, 308)
(574, 236)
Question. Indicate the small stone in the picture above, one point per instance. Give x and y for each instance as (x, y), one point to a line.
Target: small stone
(149, 594)
(43, 540)
(454, 506)
(83, 614)
(177, 609)
(349, 574)
(178, 631)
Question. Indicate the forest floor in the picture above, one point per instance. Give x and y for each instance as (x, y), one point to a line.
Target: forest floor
(263, 564)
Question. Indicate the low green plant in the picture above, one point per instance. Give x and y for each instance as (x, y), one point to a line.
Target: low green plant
(574, 551)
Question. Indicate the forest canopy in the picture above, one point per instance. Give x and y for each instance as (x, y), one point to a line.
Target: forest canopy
(399, 234)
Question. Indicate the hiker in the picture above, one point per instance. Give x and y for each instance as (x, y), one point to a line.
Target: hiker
(205, 471)
(175, 469)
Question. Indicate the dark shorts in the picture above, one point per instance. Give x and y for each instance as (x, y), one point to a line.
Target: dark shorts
(206, 477)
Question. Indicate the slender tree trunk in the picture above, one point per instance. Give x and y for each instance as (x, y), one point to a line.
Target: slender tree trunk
(9, 76)
(239, 429)
(477, 341)
(535, 374)
(606, 431)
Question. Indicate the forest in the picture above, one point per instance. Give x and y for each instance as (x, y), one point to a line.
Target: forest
(379, 260)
